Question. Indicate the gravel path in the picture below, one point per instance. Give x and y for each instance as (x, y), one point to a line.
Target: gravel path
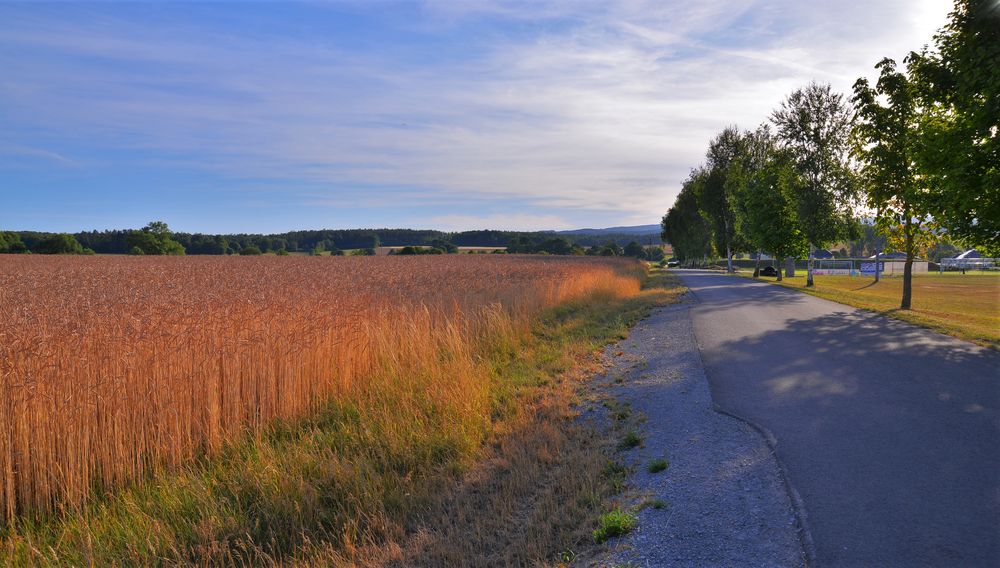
(725, 499)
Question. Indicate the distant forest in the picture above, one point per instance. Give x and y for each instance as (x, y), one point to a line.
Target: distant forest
(118, 242)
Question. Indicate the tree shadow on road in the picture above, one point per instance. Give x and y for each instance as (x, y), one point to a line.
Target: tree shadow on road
(898, 424)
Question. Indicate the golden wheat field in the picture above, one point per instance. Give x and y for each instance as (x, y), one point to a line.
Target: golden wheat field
(113, 367)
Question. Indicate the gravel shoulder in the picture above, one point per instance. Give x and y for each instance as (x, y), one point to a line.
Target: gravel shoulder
(725, 501)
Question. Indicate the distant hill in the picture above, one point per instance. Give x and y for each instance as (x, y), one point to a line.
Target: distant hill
(633, 230)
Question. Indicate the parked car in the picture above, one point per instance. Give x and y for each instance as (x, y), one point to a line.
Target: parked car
(672, 263)
(768, 271)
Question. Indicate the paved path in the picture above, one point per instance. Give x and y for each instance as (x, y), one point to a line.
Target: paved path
(889, 433)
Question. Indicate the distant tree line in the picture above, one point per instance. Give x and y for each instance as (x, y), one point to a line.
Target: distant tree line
(562, 245)
(916, 156)
(156, 238)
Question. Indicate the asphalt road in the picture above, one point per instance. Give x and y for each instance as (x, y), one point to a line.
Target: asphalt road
(889, 433)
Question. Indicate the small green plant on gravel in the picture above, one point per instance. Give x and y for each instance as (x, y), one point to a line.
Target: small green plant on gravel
(654, 503)
(656, 466)
(618, 411)
(631, 440)
(614, 523)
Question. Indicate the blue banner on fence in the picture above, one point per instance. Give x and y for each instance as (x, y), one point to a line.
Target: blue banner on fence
(869, 267)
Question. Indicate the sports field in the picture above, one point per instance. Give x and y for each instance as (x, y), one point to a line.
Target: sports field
(963, 305)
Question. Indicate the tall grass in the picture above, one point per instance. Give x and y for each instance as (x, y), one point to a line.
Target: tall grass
(114, 368)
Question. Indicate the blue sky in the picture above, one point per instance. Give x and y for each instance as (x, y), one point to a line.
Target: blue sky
(266, 117)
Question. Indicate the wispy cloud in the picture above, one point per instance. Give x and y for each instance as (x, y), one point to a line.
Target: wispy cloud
(575, 109)
(504, 222)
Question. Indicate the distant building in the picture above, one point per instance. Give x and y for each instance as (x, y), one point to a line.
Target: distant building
(969, 260)
(891, 256)
(894, 263)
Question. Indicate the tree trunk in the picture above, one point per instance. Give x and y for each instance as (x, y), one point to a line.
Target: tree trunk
(756, 265)
(908, 266)
(729, 259)
(779, 268)
(809, 266)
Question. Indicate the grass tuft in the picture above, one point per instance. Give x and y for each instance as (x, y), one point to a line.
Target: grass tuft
(614, 523)
(654, 503)
(631, 440)
(656, 466)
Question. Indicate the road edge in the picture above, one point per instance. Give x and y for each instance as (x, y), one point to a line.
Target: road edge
(798, 506)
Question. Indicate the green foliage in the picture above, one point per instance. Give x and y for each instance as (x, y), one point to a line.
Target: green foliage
(631, 440)
(655, 254)
(634, 250)
(611, 249)
(713, 198)
(444, 246)
(406, 251)
(766, 213)
(814, 125)
(942, 248)
(524, 244)
(684, 226)
(614, 523)
(958, 86)
(59, 244)
(886, 136)
(154, 238)
(10, 243)
(250, 251)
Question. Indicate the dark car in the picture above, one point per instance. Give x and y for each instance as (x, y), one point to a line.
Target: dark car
(768, 271)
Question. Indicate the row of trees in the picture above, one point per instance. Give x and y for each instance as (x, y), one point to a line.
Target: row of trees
(332, 241)
(155, 238)
(56, 243)
(918, 152)
(561, 246)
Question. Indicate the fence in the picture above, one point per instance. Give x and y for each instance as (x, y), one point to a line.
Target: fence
(952, 264)
(841, 266)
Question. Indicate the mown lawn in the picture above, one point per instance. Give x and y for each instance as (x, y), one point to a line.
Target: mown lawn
(963, 305)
